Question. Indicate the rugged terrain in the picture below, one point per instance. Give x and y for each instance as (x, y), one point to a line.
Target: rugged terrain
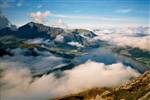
(34, 38)
(136, 89)
(34, 41)
(50, 37)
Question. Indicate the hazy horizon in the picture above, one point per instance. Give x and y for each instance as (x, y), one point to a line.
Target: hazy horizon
(78, 14)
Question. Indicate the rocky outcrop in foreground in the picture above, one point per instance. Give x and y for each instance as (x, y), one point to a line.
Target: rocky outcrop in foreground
(136, 89)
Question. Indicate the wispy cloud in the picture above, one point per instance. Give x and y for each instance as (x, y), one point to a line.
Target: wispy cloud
(60, 23)
(108, 18)
(127, 10)
(49, 13)
(8, 3)
(40, 17)
(99, 20)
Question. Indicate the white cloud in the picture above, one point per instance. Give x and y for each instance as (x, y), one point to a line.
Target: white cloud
(43, 62)
(40, 17)
(124, 10)
(126, 37)
(62, 16)
(35, 41)
(19, 85)
(60, 23)
(59, 38)
(139, 42)
(77, 44)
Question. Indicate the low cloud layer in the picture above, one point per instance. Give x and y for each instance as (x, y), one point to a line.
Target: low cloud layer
(133, 37)
(18, 83)
(42, 62)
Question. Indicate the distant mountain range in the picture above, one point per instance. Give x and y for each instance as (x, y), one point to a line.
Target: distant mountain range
(53, 39)
(34, 38)
(35, 30)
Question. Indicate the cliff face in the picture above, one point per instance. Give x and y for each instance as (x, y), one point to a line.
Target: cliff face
(136, 89)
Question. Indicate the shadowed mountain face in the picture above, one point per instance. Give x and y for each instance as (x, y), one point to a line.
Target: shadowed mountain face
(58, 35)
(32, 30)
(36, 30)
(52, 38)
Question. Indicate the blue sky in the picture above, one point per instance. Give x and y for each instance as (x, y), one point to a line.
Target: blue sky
(78, 13)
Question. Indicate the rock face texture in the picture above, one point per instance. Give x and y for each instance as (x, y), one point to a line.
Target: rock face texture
(136, 89)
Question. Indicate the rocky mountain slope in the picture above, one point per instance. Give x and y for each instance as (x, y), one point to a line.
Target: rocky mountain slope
(49, 37)
(136, 89)
(33, 30)
(34, 38)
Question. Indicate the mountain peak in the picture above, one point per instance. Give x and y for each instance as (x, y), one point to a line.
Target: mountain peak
(31, 24)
